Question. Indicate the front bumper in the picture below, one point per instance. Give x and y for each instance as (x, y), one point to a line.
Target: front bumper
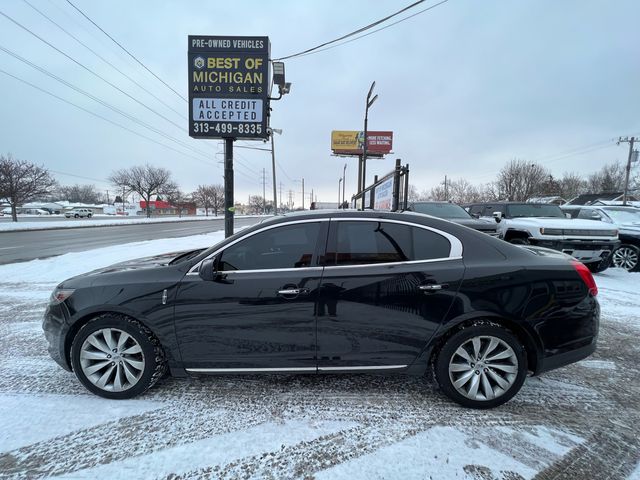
(583, 250)
(55, 328)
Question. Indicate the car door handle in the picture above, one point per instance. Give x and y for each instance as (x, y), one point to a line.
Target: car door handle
(432, 287)
(293, 291)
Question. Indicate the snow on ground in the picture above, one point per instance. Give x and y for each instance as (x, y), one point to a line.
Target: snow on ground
(575, 422)
(101, 221)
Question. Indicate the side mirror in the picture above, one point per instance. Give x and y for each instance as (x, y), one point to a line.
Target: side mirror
(497, 216)
(207, 270)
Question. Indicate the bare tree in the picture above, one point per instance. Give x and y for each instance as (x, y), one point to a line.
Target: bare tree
(415, 196)
(22, 181)
(146, 181)
(572, 184)
(79, 193)
(520, 180)
(256, 204)
(217, 198)
(609, 179)
(202, 197)
(176, 197)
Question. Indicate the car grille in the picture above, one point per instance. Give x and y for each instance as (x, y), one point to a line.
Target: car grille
(590, 233)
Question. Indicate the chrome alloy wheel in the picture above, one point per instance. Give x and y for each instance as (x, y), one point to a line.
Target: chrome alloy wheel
(483, 368)
(112, 360)
(625, 257)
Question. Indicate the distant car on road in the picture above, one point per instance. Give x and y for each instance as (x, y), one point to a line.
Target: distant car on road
(330, 292)
(454, 213)
(627, 220)
(79, 213)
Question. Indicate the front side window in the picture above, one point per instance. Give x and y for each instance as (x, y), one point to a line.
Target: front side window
(289, 246)
(371, 242)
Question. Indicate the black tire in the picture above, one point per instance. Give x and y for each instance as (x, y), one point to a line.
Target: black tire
(601, 266)
(152, 355)
(89, 215)
(487, 331)
(520, 241)
(76, 216)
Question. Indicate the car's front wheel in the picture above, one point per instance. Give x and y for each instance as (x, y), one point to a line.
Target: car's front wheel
(481, 366)
(627, 257)
(117, 357)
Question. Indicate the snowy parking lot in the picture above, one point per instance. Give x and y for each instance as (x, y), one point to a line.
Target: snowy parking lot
(578, 422)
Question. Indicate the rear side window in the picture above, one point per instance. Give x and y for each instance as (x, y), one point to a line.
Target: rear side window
(476, 209)
(370, 242)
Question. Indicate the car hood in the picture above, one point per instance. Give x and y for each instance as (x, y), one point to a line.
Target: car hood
(633, 228)
(572, 223)
(473, 223)
(154, 261)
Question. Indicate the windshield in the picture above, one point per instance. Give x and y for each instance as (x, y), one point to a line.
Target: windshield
(533, 210)
(441, 210)
(624, 215)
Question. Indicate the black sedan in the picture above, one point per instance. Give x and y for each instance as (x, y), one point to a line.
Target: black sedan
(330, 292)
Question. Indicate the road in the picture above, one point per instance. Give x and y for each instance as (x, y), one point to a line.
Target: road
(29, 245)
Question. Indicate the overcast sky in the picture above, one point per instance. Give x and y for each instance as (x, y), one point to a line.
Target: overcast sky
(464, 87)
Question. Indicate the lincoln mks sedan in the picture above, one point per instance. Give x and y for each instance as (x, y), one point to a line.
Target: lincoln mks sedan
(332, 292)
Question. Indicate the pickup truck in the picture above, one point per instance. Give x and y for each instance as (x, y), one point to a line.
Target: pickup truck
(546, 225)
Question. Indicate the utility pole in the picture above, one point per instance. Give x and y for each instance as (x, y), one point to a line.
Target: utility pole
(264, 192)
(630, 141)
(303, 193)
(290, 203)
(280, 194)
(344, 182)
(311, 198)
(446, 191)
(228, 187)
(273, 166)
(339, 190)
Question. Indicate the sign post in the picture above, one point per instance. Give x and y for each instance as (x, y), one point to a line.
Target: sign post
(228, 96)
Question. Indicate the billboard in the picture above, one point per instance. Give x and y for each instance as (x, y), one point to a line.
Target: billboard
(349, 142)
(228, 87)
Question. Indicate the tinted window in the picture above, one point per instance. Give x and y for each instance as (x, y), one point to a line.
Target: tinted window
(590, 214)
(289, 246)
(476, 209)
(441, 210)
(360, 243)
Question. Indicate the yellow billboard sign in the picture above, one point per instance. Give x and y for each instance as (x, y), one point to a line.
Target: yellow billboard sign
(346, 140)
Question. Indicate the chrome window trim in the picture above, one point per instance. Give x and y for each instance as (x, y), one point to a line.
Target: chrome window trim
(391, 264)
(455, 250)
(194, 270)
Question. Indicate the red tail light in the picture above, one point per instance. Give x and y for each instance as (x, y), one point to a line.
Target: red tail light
(586, 276)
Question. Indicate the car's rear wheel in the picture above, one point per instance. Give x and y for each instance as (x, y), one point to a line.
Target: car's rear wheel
(601, 266)
(627, 257)
(76, 216)
(117, 357)
(481, 366)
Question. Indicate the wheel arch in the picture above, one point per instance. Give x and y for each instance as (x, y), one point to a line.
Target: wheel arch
(85, 317)
(513, 233)
(533, 347)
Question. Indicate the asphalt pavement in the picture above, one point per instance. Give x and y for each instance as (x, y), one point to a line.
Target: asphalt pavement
(29, 245)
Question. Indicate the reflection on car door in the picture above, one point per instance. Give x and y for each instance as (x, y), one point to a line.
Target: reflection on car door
(386, 287)
(259, 313)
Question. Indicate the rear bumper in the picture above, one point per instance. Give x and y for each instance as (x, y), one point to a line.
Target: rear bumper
(577, 340)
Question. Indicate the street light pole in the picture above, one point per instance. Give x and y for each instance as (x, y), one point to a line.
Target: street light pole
(339, 190)
(368, 104)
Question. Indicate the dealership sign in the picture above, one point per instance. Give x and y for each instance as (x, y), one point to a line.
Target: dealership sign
(383, 195)
(228, 87)
(349, 142)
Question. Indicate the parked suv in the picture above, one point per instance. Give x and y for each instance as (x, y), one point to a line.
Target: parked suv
(79, 213)
(454, 213)
(626, 220)
(546, 225)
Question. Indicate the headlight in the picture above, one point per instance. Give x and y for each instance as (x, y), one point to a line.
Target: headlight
(551, 231)
(60, 295)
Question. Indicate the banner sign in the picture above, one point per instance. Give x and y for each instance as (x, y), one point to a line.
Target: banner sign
(228, 87)
(383, 199)
(349, 142)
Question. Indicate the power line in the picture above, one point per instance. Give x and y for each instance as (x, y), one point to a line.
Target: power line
(355, 32)
(376, 30)
(102, 102)
(100, 116)
(105, 60)
(80, 64)
(127, 51)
